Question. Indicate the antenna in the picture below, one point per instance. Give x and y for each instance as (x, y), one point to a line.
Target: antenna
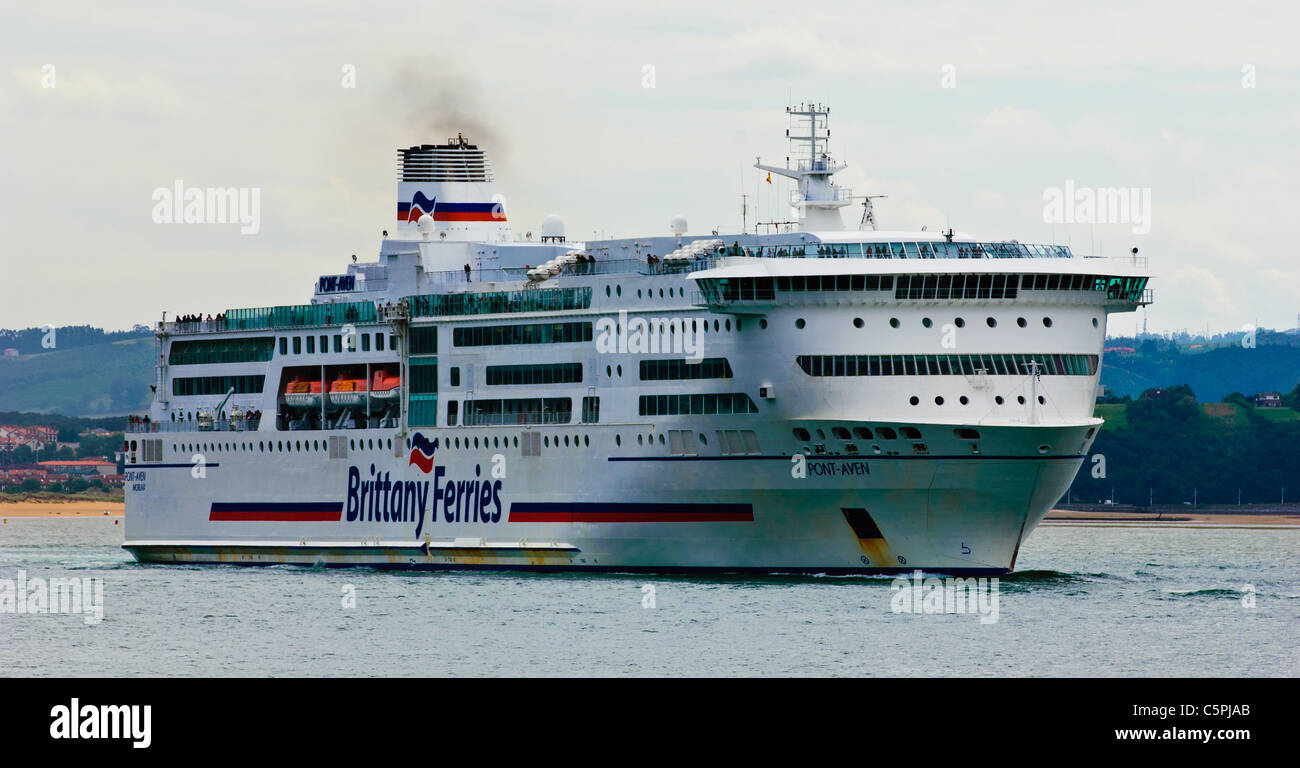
(869, 213)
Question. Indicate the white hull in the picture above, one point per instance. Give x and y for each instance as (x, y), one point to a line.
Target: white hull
(945, 511)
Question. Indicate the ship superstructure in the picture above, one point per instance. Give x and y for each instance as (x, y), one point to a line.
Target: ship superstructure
(817, 400)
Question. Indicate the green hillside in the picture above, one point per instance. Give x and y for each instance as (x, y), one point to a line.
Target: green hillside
(94, 380)
(1213, 373)
(1170, 448)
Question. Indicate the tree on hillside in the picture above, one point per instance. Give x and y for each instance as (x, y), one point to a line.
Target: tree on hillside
(1292, 399)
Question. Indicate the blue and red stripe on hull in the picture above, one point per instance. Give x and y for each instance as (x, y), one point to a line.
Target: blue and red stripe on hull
(636, 512)
(280, 512)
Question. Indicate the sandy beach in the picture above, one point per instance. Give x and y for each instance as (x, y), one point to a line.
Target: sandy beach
(1068, 517)
(61, 509)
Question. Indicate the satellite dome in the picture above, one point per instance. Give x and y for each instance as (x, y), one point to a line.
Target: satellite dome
(678, 225)
(552, 226)
(425, 223)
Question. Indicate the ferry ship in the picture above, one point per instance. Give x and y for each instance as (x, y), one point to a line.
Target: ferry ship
(813, 398)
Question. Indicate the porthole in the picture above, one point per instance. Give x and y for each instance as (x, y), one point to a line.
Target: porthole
(938, 400)
(925, 321)
(586, 440)
(799, 323)
(661, 293)
(606, 289)
(762, 323)
(515, 441)
(1020, 399)
(716, 326)
(1042, 400)
(914, 400)
(1094, 322)
(992, 323)
(1047, 322)
(857, 322)
(893, 322)
(618, 439)
(618, 290)
(959, 322)
(638, 293)
(661, 438)
(496, 442)
(372, 444)
(727, 325)
(566, 441)
(476, 443)
(963, 400)
(1020, 321)
(620, 371)
(703, 440)
(609, 371)
(998, 399)
(1044, 448)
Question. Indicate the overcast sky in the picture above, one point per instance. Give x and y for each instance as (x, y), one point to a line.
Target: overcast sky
(1149, 96)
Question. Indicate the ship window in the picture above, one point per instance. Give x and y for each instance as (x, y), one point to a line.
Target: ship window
(802, 434)
(911, 433)
(1047, 322)
(379, 342)
(799, 323)
(284, 346)
(452, 408)
(365, 342)
(886, 433)
(324, 344)
(992, 322)
(914, 400)
(311, 345)
(840, 433)
(862, 433)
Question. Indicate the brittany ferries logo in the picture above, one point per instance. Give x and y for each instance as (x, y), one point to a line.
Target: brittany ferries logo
(421, 453)
(421, 205)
